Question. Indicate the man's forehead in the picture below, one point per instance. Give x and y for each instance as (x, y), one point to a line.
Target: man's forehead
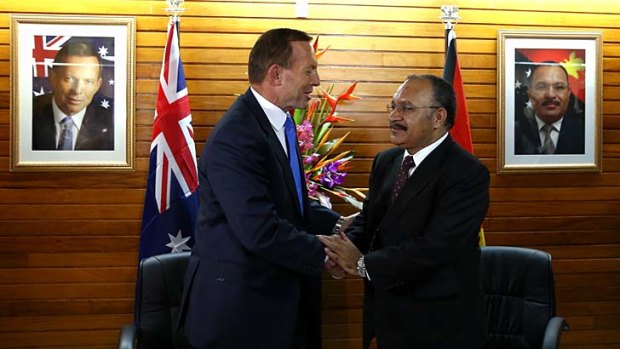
(412, 89)
(302, 49)
(547, 71)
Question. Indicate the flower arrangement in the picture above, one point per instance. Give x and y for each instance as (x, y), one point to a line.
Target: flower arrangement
(324, 167)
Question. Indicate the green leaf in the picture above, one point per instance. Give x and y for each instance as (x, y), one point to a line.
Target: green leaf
(353, 201)
(318, 136)
(327, 146)
(299, 115)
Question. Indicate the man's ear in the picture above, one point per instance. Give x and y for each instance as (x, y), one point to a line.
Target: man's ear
(274, 74)
(441, 116)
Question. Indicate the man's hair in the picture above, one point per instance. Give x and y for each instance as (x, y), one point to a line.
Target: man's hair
(272, 47)
(546, 64)
(76, 48)
(443, 95)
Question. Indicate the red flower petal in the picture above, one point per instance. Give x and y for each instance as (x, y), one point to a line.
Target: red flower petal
(331, 100)
(315, 44)
(319, 54)
(333, 118)
(312, 108)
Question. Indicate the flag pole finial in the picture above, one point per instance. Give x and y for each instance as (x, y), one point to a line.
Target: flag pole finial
(175, 9)
(449, 15)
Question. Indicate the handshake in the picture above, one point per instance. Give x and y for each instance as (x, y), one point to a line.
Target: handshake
(341, 254)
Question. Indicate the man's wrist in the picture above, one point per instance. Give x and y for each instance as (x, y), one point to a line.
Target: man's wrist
(361, 267)
(338, 226)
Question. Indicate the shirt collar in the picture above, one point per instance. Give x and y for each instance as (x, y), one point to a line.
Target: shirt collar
(424, 152)
(77, 118)
(557, 125)
(276, 116)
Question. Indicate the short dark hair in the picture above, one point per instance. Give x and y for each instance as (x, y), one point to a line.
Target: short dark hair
(272, 47)
(443, 95)
(80, 48)
(546, 64)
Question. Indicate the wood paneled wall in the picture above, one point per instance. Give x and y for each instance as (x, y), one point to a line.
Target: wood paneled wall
(68, 241)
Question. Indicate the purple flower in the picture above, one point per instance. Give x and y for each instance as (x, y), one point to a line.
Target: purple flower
(305, 136)
(310, 159)
(330, 175)
(312, 188)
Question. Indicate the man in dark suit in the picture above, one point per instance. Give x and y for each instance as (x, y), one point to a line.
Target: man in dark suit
(67, 118)
(253, 279)
(555, 122)
(415, 242)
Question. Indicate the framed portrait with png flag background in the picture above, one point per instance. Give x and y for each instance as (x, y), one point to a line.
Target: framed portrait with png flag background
(549, 92)
(72, 93)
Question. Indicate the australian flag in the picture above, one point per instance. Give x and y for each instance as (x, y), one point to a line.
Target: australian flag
(171, 200)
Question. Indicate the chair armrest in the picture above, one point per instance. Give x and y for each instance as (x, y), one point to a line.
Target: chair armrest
(128, 338)
(554, 329)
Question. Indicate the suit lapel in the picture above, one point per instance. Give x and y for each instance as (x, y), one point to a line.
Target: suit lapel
(93, 130)
(393, 166)
(47, 131)
(274, 144)
(86, 133)
(568, 137)
(44, 128)
(424, 174)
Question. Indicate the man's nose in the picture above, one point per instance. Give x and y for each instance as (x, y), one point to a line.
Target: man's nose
(315, 80)
(77, 86)
(395, 115)
(551, 92)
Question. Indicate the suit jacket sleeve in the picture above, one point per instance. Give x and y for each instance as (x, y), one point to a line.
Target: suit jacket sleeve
(321, 219)
(360, 232)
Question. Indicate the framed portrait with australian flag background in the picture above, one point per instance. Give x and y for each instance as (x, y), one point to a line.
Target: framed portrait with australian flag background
(72, 93)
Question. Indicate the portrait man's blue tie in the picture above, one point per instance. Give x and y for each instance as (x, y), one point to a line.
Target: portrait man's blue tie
(65, 141)
(293, 159)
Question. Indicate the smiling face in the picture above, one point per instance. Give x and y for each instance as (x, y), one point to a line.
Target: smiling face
(549, 92)
(75, 83)
(417, 128)
(300, 78)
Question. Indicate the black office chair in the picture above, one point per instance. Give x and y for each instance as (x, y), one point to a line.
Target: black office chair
(160, 284)
(520, 298)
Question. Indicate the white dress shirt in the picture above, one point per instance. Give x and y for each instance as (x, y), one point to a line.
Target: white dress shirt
(277, 117)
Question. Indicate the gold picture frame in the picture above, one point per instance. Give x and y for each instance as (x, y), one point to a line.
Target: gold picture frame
(44, 90)
(529, 99)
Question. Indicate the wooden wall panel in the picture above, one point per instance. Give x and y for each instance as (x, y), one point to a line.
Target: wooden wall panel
(68, 250)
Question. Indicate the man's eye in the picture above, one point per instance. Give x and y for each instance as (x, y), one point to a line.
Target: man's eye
(545, 87)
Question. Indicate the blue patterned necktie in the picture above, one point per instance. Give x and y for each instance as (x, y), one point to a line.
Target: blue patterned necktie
(65, 141)
(293, 159)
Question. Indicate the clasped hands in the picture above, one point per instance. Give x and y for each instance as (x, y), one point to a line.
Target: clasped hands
(342, 255)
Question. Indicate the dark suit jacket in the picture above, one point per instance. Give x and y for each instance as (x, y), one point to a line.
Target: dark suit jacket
(570, 141)
(96, 132)
(254, 274)
(422, 253)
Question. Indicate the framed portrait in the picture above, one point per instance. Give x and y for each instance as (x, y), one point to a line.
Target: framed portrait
(549, 101)
(72, 93)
